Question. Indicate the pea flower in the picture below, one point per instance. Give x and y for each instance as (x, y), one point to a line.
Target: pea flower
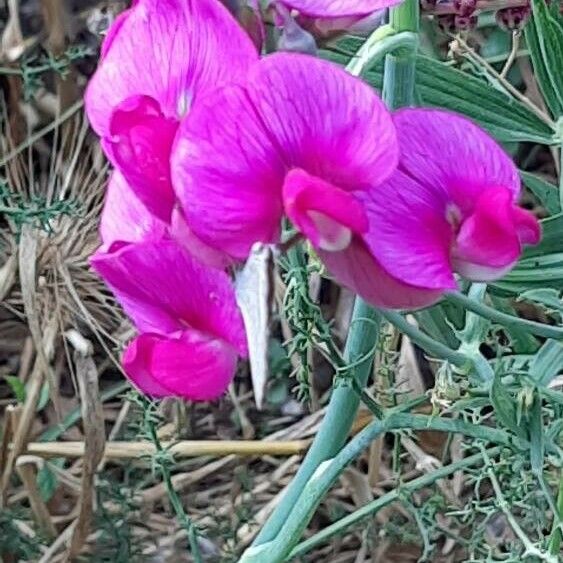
(158, 59)
(302, 138)
(127, 219)
(451, 206)
(298, 136)
(191, 330)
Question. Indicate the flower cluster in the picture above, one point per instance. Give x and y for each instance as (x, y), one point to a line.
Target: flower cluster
(213, 146)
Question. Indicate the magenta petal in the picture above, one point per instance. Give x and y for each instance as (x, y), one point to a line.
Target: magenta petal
(453, 155)
(326, 122)
(527, 226)
(164, 289)
(230, 158)
(136, 363)
(488, 242)
(228, 175)
(181, 232)
(171, 50)
(189, 365)
(125, 217)
(409, 233)
(357, 269)
(338, 8)
(325, 214)
(139, 145)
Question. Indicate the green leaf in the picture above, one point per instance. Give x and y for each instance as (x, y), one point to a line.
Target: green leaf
(537, 447)
(440, 85)
(544, 36)
(547, 193)
(552, 238)
(17, 387)
(47, 481)
(434, 321)
(503, 116)
(547, 363)
(504, 405)
(277, 393)
(43, 397)
(541, 266)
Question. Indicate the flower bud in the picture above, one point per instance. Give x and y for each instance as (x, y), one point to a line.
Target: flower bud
(513, 19)
(465, 23)
(293, 37)
(465, 7)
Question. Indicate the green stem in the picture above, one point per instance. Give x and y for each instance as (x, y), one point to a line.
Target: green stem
(539, 329)
(373, 51)
(399, 70)
(427, 343)
(375, 506)
(327, 473)
(560, 169)
(531, 549)
(555, 541)
(364, 330)
(339, 417)
(163, 465)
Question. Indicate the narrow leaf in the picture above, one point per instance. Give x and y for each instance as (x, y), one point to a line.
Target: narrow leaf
(544, 36)
(504, 405)
(547, 363)
(17, 387)
(547, 193)
(439, 85)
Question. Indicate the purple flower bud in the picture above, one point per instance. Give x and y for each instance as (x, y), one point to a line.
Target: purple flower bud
(512, 19)
(293, 37)
(446, 22)
(465, 23)
(465, 7)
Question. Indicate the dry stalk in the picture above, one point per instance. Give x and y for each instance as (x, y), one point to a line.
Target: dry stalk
(182, 449)
(28, 475)
(33, 391)
(28, 248)
(94, 444)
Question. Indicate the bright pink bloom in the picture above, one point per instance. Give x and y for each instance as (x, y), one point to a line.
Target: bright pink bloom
(191, 328)
(125, 218)
(159, 57)
(300, 137)
(451, 206)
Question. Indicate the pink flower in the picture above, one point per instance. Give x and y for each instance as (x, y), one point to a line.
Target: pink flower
(126, 219)
(328, 17)
(302, 138)
(451, 206)
(158, 59)
(191, 330)
(299, 137)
